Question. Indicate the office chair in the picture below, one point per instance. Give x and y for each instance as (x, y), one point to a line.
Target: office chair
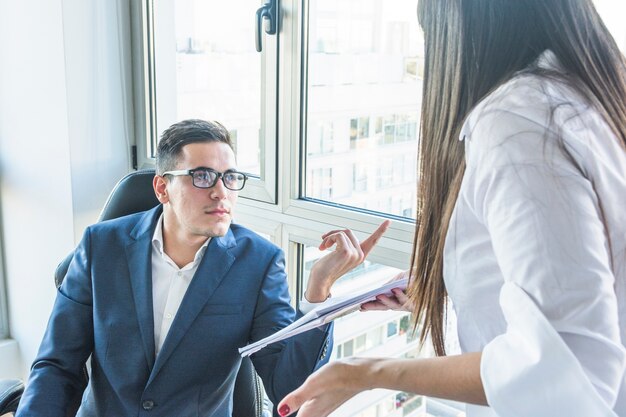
(132, 194)
(10, 393)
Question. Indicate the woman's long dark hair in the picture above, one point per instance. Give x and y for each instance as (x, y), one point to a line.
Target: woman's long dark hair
(473, 47)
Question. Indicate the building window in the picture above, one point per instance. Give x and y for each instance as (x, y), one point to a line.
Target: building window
(323, 142)
(399, 128)
(392, 329)
(359, 183)
(321, 183)
(359, 132)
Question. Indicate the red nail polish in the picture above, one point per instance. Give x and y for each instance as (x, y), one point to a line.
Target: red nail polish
(284, 410)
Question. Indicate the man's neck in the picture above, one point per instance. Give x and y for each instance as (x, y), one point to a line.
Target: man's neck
(181, 254)
(181, 249)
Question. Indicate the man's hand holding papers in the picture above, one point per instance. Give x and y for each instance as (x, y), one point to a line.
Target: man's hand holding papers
(329, 311)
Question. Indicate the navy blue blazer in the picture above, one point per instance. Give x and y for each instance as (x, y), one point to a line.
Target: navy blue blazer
(103, 308)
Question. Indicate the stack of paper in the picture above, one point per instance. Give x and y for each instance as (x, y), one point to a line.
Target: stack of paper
(329, 311)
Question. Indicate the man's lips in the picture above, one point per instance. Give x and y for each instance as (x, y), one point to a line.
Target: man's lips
(218, 212)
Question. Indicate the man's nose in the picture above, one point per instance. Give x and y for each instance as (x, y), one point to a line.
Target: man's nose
(219, 190)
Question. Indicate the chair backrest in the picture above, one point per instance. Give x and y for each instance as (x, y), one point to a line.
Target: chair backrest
(132, 194)
(10, 393)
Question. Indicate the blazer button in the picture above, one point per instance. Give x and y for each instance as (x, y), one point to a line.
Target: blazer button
(148, 405)
(323, 355)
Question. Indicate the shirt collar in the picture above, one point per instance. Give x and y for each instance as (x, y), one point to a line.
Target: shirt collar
(548, 60)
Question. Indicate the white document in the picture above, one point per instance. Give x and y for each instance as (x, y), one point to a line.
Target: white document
(329, 311)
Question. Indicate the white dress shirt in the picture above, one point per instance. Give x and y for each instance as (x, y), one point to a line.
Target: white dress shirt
(535, 255)
(169, 284)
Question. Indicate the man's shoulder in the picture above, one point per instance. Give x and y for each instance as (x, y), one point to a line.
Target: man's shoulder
(243, 235)
(123, 224)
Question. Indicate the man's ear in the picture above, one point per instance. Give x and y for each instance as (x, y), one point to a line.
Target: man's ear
(159, 184)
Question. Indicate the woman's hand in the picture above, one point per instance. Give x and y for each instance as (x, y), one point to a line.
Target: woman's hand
(399, 301)
(328, 388)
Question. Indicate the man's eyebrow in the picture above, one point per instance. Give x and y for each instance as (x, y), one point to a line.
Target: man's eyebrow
(213, 169)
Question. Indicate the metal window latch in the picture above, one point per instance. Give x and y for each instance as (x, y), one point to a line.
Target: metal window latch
(268, 11)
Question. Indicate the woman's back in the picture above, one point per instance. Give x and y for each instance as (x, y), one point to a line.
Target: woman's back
(541, 206)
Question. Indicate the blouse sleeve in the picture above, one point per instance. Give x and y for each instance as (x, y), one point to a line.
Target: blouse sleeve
(561, 353)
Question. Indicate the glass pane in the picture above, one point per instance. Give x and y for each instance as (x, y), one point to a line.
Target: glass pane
(613, 13)
(379, 334)
(4, 322)
(363, 98)
(207, 67)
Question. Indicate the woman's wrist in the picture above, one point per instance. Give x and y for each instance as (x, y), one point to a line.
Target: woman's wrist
(364, 373)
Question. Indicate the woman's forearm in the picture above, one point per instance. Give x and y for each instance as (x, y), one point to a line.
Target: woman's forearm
(452, 377)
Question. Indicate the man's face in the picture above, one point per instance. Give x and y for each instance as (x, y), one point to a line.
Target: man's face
(193, 213)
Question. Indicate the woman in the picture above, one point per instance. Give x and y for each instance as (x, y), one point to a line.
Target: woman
(522, 222)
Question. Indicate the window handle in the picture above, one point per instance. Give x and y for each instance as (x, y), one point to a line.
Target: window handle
(268, 11)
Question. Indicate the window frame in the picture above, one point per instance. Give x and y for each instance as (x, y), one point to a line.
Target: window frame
(4, 310)
(262, 188)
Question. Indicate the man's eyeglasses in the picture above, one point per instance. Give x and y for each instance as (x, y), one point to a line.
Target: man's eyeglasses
(207, 177)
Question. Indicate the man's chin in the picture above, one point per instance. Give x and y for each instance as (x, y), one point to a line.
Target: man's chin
(218, 230)
(217, 233)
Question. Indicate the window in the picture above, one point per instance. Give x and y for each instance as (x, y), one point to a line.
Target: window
(360, 77)
(374, 338)
(324, 141)
(384, 174)
(359, 132)
(321, 183)
(392, 329)
(4, 325)
(613, 13)
(202, 63)
(348, 348)
(359, 183)
(400, 128)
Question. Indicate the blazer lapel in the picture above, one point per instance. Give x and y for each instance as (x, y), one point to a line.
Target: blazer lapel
(139, 255)
(213, 267)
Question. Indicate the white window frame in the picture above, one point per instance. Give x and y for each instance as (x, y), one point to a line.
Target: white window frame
(4, 313)
(263, 188)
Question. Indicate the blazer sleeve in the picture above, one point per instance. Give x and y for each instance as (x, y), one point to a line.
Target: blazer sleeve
(285, 365)
(56, 379)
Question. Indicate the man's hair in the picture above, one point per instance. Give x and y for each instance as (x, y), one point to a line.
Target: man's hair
(471, 48)
(183, 133)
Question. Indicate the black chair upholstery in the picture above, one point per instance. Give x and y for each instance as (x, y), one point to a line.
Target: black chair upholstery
(132, 194)
(10, 392)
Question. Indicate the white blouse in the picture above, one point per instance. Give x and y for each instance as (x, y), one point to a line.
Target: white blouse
(535, 256)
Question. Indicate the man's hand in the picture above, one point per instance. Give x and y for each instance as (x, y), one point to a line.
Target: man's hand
(348, 253)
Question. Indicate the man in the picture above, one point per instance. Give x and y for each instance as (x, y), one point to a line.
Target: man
(161, 300)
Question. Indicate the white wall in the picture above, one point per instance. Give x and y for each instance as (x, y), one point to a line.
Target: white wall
(65, 123)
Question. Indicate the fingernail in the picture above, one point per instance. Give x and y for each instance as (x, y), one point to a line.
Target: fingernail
(284, 410)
